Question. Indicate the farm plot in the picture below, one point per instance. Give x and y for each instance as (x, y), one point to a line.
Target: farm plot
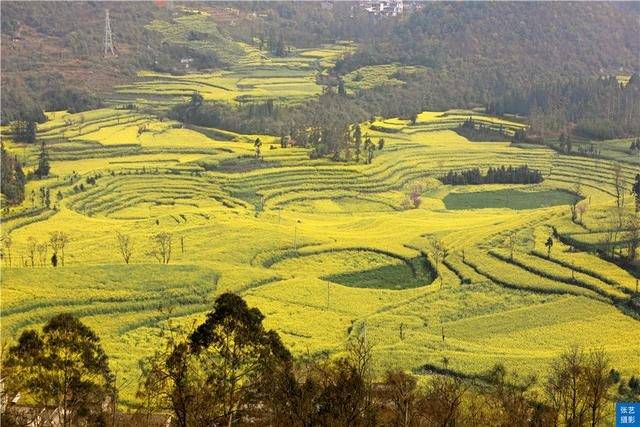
(325, 250)
(254, 76)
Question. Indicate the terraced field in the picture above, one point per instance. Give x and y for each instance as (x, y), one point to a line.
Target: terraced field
(325, 250)
(255, 75)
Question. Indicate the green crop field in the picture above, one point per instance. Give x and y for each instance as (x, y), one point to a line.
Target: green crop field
(508, 198)
(326, 250)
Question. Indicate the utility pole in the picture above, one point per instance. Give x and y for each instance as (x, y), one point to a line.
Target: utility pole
(108, 36)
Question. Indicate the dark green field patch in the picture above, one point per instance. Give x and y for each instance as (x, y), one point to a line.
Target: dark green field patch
(509, 199)
(394, 276)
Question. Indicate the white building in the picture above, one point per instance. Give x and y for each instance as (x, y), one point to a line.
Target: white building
(384, 7)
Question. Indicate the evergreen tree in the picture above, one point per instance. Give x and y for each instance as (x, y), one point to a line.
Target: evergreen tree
(43, 162)
(13, 178)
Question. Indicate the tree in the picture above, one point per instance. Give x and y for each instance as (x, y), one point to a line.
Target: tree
(635, 190)
(43, 162)
(437, 252)
(257, 145)
(32, 245)
(598, 384)
(63, 367)
(507, 396)
(161, 247)
(632, 236)
(400, 392)
(618, 184)
(442, 402)
(13, 178)
(6, 242)
(125, 244)
(357, 140)
(24, 131)
(219, 371)
(42, 253)
(581, 209)
(414, 196)
(578, 386)
(369, 147)
(549, 245)
(58, 240)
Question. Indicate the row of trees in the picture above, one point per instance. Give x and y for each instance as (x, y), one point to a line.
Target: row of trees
(35, 252)
(498, 175)
(160, 249)
(231, 370)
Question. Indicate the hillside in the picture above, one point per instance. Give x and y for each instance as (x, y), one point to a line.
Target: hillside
(486, 49)
(448, 198)
(473, 53)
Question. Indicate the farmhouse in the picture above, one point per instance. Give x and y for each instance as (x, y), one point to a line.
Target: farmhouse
(383, 7)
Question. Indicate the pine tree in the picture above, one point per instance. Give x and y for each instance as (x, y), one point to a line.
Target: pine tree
(13, 178)
(43, 162)
(30, 134)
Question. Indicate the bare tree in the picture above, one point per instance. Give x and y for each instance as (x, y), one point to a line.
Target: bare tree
(616, 225)
(578, 387)
(400, 391)
(7, 242)
(632, 236)
(619, 185)
(566, 387)
(581, 209)
(58, 240)
(125, 244)
(598, 379)
(161, 247)
(443, 400)
(32, 244)
(437, 252)
(361, 355)
(42, 253)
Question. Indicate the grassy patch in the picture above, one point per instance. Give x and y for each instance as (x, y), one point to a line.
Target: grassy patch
(393, 276)
(508, 198)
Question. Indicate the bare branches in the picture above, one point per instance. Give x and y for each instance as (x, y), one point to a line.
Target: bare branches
(6, 242)
(58, 240)
(161, 247)
(125, 245)
(438, 252)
